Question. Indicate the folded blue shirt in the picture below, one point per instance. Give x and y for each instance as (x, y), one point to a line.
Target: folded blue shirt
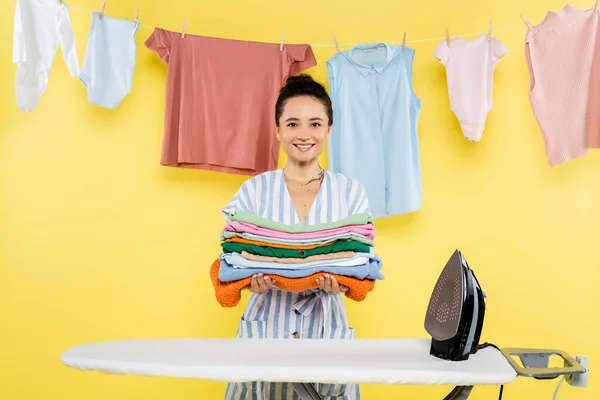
(369, 270)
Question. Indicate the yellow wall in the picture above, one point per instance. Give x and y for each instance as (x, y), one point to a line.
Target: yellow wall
(98, 242)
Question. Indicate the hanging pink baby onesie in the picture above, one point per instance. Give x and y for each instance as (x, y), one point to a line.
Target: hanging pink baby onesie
(560, 57)
(469, 75)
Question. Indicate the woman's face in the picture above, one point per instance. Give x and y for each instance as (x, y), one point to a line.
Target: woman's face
(303, 129)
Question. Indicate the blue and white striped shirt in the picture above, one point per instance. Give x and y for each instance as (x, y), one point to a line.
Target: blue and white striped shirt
(280, 314)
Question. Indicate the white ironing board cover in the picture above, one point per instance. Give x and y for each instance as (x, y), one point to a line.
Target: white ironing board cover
(379, 361)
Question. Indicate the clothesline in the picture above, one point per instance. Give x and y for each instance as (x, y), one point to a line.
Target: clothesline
(510, 28)
(91, 12)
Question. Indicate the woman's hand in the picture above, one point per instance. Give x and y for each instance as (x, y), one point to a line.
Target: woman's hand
(260, 283)
(329, 284)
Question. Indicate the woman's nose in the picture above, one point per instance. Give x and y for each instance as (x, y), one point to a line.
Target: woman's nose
(302, 136)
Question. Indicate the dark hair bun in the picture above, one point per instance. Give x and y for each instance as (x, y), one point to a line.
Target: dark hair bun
(303, 85)
(302, 79)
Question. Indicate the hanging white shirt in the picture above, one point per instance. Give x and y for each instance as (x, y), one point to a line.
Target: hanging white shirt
(40, 26)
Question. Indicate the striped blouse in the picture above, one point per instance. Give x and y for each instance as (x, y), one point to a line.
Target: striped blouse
(280, 314)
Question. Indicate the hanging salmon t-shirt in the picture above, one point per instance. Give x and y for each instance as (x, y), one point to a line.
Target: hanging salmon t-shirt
(220, 100)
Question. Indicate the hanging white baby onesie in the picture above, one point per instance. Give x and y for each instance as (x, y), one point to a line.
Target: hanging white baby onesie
(40, 26)
(469, 72)
(109, 62)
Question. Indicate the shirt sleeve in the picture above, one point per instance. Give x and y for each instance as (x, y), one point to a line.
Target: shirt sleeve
(499, 50)
(302, 57)
(19, 49)
(160, 43)
(243, 200)
(67, 40)
(358, 201)
(442, 52)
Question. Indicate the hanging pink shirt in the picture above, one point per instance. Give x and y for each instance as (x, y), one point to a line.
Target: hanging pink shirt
(562, 68)
(220, 100)
(366, 230)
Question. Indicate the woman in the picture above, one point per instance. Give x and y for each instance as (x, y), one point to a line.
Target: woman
(300, 193)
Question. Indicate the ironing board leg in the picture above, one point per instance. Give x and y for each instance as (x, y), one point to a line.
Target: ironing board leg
(306, 391)
(459, 393)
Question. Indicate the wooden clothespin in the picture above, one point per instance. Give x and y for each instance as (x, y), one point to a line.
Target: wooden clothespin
(335, 44)
(102, 10)
(526, 22)
(281, 41)
(448, 37)
(184, 29)
(490, 32)
(404, 42)
(596, 5)
(135, 18)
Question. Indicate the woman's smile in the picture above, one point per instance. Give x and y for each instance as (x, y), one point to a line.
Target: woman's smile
(304, 147)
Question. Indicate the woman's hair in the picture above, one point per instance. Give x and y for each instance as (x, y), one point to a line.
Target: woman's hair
(303, 85)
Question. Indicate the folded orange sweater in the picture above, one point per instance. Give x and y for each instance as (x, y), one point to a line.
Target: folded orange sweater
(229, 293)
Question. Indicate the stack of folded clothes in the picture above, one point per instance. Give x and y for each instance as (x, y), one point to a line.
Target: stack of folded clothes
(295, 255)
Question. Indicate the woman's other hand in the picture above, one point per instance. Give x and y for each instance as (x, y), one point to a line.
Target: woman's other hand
(260, 283)
(329, 284)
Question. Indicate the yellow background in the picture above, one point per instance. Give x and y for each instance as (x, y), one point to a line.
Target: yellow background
(99, 242)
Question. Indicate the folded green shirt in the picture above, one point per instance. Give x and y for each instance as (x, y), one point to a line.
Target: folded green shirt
(354, 219)
(337, 246)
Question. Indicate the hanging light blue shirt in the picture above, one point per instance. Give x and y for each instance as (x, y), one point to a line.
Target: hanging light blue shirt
(375, 118)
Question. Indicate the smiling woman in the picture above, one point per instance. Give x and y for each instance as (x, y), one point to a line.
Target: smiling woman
(300, 193)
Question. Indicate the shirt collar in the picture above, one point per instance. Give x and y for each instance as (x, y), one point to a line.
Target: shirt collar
(365, 69)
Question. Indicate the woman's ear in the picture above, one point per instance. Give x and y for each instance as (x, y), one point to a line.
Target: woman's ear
(277, 134)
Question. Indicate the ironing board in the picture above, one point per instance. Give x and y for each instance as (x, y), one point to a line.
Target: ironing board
(301, 362)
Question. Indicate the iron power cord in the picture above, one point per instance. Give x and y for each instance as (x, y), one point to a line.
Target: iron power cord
(483, 346)
(558, 387)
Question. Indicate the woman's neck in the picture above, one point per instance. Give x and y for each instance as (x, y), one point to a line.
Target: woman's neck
(302, 172)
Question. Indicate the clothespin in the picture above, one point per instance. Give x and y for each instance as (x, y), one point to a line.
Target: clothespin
(102, 10)
(526, 22)
(281, 42)
(335, 44)
(404, 42)
(135, 18)
(448, 37)
(490, 32)
(184, 28)
(596, 5)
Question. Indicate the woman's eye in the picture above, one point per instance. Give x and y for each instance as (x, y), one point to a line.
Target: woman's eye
(291, 125)
(316, 124)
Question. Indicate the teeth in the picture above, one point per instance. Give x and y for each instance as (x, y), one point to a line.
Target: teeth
(304, 146)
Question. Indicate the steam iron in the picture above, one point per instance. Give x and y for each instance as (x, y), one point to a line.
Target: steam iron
(456, 311)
